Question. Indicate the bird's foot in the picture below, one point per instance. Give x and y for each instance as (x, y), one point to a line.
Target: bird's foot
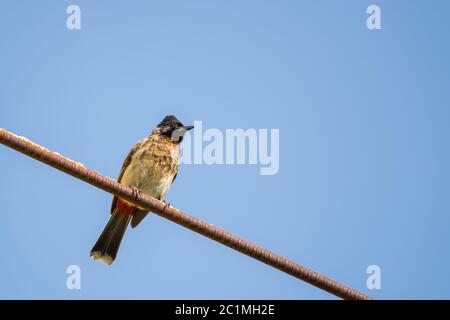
(136, 192)
(167, 204)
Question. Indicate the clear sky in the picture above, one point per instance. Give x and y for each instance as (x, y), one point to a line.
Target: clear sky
(364, 120)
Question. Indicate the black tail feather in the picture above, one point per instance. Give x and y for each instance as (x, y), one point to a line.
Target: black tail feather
(107, 245)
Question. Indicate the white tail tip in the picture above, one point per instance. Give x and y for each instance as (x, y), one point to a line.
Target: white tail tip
(97, 255)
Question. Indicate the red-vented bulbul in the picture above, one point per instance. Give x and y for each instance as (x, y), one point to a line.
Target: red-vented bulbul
(150, 167)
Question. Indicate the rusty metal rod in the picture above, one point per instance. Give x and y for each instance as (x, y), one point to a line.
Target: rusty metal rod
(94, 178)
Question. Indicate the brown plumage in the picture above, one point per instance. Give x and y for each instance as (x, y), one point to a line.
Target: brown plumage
(151, 167)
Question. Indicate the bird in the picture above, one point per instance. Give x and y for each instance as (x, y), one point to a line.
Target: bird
(150, 167)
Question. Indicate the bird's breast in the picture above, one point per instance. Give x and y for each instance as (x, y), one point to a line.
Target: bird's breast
(152, 168)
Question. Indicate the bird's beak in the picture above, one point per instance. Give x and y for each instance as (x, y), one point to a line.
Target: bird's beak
(178, 134)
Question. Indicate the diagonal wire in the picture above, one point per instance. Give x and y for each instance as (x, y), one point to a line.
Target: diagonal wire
(94, 178)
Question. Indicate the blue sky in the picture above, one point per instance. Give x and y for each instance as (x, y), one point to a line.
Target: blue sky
(364, 119)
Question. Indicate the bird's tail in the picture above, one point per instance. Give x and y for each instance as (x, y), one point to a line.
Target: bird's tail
(106, 247)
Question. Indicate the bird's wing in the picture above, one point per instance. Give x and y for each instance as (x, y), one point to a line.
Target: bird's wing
(174, 177)
(125, 164)
(138, 216)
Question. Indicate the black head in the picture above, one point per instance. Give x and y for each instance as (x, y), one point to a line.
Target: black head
(172, 128)
(170, 122)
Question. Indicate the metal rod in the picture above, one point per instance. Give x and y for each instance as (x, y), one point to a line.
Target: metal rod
(77, 170)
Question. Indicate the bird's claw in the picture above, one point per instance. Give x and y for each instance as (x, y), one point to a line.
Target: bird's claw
(136, 192)
(167, 204)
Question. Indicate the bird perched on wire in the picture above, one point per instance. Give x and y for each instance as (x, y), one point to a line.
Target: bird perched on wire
(150, 167)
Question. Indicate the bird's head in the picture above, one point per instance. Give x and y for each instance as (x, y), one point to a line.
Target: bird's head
(172, 128)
